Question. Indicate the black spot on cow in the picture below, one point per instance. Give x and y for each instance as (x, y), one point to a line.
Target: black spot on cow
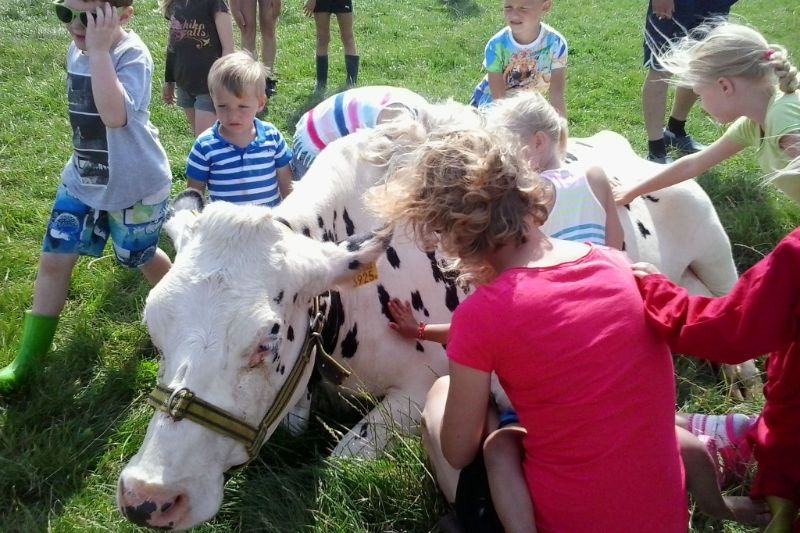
(275, 357)
(141, 513)
(355, 243)
(349, 227)
(333, 321)
(394, 259)
(364, 430)
(451, 295)
(320, 222)
(294, 298)
(354, 264)
(384, 298)
(419, 347)
(437, 272)
(570, 157)
(290, 334)
(643, 230)
(628, 207)
(334, 215)
(623, 246)
(328, 236)
(652, 198)
(416, 303)
(350, 343)
(306, 231)
(323, 305)
(279, 298)
(282, 369)
(275, 329)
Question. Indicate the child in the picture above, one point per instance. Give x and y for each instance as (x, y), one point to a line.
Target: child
(526, 55)
(117, 181)
(760, 314)
(596, 402)
(321, 10)
(244, 12)
(240, 159)
(740, 78)
(341, 114)
(200, 32)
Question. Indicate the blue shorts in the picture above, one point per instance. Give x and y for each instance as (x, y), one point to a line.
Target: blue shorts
(76, 228)
(199, 102)
(688, 14)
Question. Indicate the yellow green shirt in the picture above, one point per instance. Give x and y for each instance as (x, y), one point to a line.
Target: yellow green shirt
(783, 116)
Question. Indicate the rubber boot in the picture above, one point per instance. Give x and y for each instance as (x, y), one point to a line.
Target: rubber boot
(784, 515)
(322, 75)
(37, 334)
(351, 66)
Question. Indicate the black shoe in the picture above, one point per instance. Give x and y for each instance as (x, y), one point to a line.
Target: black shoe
(271, 88)
(664, 160)
(682, 143)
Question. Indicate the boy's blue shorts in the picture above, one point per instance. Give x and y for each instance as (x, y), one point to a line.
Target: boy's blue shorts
(659, 34)
(74, 227)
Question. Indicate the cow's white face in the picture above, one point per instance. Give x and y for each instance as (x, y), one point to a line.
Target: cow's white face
(229, 320)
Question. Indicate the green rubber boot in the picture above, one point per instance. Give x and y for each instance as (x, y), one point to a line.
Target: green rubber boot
(37, 334)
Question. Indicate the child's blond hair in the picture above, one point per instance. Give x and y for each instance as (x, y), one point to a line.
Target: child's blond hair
(238, 73)
(517, 118)
(721, 49)
(466, 192)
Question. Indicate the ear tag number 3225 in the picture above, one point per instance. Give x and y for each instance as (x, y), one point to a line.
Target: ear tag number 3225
(368, 274)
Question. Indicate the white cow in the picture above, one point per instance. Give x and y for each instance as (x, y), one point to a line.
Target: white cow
(231, 316)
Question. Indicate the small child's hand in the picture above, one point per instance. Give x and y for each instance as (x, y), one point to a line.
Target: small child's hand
(101, 29)
(404, 322)
(622, 194)
(168, 92)
(642, 269)
(308, 8)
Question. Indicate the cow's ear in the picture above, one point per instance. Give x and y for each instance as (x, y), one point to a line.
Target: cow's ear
(355, 258)
(182, 217)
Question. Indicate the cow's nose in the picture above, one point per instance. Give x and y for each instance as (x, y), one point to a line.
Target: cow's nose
(151, 505)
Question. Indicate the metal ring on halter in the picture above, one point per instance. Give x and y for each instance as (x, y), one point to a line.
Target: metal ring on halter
(172, 409)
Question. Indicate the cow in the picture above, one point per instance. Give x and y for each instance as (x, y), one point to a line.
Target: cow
(239, 323)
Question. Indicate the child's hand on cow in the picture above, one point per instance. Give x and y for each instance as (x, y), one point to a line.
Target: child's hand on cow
(404, 322)
(622, 194)
(642, 269)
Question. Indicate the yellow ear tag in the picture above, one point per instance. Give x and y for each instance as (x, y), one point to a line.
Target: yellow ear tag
(368, 274)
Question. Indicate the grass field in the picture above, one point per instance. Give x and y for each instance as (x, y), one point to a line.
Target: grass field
(64, 439)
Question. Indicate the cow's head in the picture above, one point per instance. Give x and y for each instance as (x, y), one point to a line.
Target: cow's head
(229, 319)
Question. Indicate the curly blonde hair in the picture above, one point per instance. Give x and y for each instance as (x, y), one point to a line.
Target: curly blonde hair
(468, 194)
(720, 49)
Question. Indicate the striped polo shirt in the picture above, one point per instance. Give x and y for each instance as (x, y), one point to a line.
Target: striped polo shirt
(240, 175)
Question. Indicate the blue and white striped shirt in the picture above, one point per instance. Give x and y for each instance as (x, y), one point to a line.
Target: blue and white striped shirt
(240, 175)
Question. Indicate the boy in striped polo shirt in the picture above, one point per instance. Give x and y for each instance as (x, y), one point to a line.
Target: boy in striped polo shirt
(240, 159)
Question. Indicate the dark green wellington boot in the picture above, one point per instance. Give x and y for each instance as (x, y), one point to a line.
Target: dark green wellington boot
(37, 334)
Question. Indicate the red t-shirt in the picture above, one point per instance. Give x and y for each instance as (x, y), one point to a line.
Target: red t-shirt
(592, 384)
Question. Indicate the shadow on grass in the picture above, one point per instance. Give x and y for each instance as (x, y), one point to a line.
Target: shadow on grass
(461, 8)
(56, 428)
(312, 99)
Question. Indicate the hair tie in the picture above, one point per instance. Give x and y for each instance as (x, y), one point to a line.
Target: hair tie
(768, 54)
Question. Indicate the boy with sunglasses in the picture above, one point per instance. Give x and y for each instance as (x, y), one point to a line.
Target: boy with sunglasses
(117, 180)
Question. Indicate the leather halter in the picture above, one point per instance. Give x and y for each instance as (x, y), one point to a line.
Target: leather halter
(183, 403)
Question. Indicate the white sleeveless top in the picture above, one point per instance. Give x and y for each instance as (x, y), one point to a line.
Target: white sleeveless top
(577, 215)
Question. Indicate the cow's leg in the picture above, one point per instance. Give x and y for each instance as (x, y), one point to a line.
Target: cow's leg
(397, 414)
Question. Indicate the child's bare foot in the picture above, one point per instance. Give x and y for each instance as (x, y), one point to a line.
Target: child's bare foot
(748, 511)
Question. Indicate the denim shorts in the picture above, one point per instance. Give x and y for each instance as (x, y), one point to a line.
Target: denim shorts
(187, 100)
(76, 228)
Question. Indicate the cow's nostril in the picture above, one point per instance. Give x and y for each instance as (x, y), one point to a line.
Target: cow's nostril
(140, 514)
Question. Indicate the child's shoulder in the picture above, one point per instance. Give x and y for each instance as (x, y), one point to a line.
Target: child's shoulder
(553, 33)
(504, 34)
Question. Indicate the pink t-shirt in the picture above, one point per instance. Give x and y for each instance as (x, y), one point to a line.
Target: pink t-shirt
(592, 384)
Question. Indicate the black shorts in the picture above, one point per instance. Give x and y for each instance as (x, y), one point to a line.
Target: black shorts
(474, 507)
(334, 6)
(688, 14)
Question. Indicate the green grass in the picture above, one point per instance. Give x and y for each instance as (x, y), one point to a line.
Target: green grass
(64, 440)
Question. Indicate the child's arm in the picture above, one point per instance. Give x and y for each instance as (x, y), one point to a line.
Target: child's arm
(684, 168)
(405, 324)
(285, 180)
(224, 26)
(601, 188)
(759, 315)
(497, 85)
(558, 84)
(464, 417)
(107, 91)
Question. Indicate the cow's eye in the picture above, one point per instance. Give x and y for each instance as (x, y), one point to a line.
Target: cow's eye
(268, 347)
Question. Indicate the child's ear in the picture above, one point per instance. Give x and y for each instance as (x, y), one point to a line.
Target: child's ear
(125, 15)
(262, 101)
(725, 85)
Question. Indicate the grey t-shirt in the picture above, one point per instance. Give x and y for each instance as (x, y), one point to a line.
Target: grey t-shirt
(113, 168)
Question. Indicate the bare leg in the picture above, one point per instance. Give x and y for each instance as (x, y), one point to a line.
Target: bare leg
(52, 283)
(503, 454)
(155, 269)
(247, 10)
(431, 425)
(654, 103)
(322, 24)
(345, 21)
(682, 103)
(268, 18)
(203, 120)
